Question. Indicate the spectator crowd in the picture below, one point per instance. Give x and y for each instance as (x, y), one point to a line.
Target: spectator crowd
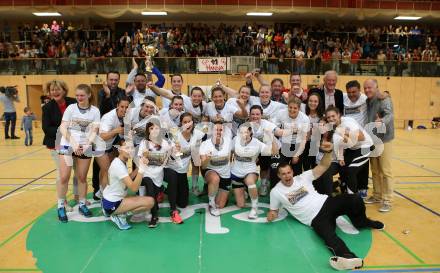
(281, 48)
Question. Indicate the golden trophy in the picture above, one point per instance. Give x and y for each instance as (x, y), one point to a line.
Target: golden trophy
(174, 137)
(150, 52)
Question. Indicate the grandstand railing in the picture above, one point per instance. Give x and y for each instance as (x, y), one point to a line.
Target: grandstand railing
(240, 64)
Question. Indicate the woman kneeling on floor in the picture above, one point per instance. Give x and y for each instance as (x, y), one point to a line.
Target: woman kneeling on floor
(115, 202)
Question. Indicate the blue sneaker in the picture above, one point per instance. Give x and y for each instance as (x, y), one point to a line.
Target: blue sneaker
(62, 216)
(363, 194)
(120, 221)
(84, 210)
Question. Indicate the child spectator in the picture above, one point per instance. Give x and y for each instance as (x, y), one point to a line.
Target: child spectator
(26, 125)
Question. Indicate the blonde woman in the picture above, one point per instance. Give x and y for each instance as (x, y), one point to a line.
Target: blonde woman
(79, 128)
(52, 114)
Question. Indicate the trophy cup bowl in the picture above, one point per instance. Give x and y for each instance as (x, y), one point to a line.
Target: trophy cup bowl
(175, 138)
(150, 52)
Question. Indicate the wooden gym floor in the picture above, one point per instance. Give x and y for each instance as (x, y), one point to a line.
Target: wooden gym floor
(409, 244)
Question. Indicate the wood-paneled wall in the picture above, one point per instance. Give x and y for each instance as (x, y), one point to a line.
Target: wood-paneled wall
(415, 99)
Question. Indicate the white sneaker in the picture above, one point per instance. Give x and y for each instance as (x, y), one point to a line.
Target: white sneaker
(214, 211)
(138, 218)
(263, 189)
(98, 194)
(120, 221)
(340, 263)
(253, 214)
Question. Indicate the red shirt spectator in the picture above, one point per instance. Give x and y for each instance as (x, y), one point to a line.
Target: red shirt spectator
(279, 39)
(326, 56)
(355, 56)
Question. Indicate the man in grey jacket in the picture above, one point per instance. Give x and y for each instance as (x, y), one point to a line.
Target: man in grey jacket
(380, 114)
(8, 99)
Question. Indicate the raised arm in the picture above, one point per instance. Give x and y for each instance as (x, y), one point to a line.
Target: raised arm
(160, 78)
(232, 93)
(326, 160)
(160, 91)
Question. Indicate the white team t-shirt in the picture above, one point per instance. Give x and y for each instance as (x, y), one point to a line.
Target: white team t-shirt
(139, 97)
(245, 156)
(138, 124)
(197, 112)
(300, 199)
(110, 121)
(258, 129)
(157, 159)
(219, 158)
(188, 149)
(356, 110)
(212, 112)
(166, 102)
(116, 190)
(301, 124)
(233, 107)
(168, 121)
(80, 123)
(351, 124)
(270, 110)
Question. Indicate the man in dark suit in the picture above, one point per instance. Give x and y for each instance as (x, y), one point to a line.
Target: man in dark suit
(329, 94)
(109, 95)
(108, 98)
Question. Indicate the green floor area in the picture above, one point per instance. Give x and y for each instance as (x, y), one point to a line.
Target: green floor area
(284, 246)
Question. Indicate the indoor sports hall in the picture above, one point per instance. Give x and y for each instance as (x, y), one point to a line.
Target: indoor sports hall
(211, 44)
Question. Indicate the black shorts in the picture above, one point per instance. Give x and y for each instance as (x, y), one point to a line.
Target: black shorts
(264, 162)
(225, 183)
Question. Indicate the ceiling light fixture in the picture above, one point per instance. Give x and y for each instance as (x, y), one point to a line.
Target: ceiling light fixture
(411, 18)
(154, 13)
(259, 14)
(46, 13)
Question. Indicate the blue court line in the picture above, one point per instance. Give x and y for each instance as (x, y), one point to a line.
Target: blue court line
(20, 156)
(28, 183)
(417, 203)
(398, 270)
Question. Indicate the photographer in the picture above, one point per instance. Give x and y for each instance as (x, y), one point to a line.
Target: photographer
(8, 96)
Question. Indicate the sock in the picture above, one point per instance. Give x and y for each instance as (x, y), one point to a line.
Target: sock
(82, 202)
(142, 191)
(61, 203)
(195, 181)
(254, 203)
(211, 198)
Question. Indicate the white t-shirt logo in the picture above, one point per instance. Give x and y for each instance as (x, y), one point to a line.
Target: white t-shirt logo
(297, 195)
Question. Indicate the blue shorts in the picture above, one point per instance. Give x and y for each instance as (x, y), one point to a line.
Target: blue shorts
(67, 150)
(110, 206)
(238, 182)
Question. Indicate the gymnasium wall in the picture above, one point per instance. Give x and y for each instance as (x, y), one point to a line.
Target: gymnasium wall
(415, 99)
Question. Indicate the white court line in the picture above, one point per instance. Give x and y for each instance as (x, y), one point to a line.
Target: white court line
(200, 242)
(12, 194)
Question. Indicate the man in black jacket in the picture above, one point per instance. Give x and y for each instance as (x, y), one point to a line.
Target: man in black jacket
(109, 95)
(329, 94)
(108, 98)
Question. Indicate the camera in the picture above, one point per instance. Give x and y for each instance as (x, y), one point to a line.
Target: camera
(9, 91)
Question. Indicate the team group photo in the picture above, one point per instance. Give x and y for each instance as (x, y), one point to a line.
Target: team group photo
(283, 137)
